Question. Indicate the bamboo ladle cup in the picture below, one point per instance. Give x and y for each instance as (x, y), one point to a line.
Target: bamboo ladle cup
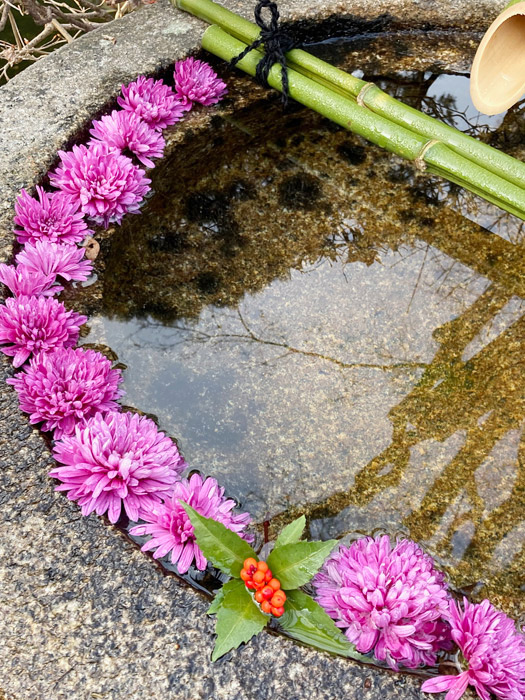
(497, 79)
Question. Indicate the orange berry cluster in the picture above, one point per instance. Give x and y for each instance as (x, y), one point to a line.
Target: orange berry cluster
(258, 577)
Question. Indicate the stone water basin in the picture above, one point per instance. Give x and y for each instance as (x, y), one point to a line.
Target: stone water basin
(325, 331)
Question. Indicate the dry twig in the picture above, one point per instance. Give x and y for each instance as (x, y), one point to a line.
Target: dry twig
(31, 29)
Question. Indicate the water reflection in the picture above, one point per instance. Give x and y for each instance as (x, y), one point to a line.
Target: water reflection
(478, 493)
(327, 331)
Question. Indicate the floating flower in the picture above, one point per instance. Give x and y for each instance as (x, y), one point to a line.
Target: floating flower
(115, 460)
(387, 599)
(196, 81)
(23, 281)
(52, 259)
(30, 325)
(53, 217)
(106, 184)
(492, 654)
(152, 101)
(171, 528)
(125, 130)
(61, 388)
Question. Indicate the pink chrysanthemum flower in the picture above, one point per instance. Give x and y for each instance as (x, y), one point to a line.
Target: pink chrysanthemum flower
(105, 183)
(22, 281)
(171, 528)
(387, 599)
(52, 259)
(53, 217)
(196, 81)
(61, 388)
(125, 130)
(115, 460)
(152, 101)
(30, 325)
(492, 654)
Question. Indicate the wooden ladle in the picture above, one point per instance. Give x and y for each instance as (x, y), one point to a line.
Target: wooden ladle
(497, 79)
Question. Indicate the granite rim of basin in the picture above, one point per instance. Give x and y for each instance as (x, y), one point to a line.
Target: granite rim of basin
(83, 613)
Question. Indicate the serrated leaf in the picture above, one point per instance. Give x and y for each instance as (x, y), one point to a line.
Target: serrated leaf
(224, 548)
(306, 621)
(238, 619)
(216, 603)
(291, 533)
(295, 564)
(219, 597)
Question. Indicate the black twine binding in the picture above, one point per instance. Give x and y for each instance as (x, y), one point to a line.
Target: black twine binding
(276, 44)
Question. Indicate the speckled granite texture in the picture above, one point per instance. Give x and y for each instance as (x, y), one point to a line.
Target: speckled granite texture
(83, 614)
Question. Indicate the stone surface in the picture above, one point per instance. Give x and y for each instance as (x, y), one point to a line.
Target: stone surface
(83, 614)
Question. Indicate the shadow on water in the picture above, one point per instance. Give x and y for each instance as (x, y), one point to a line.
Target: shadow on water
(326, 331)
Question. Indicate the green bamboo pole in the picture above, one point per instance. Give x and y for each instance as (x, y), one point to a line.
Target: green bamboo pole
(367, 94)
(433, 155)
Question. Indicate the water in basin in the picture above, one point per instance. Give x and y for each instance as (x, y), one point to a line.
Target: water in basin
(324, 330)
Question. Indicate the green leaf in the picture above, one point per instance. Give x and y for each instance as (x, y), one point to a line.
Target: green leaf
(238, 619)
(306, 621)
(216, 603)
(291, 533)
(295, 564)
(224, 548)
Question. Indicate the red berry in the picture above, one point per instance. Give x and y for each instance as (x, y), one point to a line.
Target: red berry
(262, 566)
(268, 576)
(266, 607)
(267, 592)
(245, 575)
(251, 585)
(248, 563)
(277, 612)
(259, 597)
(258, 577)
(275, 584)
(278, 599)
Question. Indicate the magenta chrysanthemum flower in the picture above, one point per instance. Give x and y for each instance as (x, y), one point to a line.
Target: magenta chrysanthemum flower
(22, 281)
(53, 217)
(30, 325)
(196, 81)
(115, 460)
(171, 528)
(492, 654)
(105, 183)
(63, 387)
(387, 599)
(52, 259)
(152, 101)
(125, 130)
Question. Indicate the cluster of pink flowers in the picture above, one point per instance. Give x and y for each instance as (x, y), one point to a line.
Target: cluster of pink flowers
(171, 528)
(117, 459)
(35, 325)
(108, 461)
(388, 597)
(390, 600)
(492, 654)
(53, 218)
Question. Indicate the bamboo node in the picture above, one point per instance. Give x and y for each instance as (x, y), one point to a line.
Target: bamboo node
(360, 99)
(419, 161)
